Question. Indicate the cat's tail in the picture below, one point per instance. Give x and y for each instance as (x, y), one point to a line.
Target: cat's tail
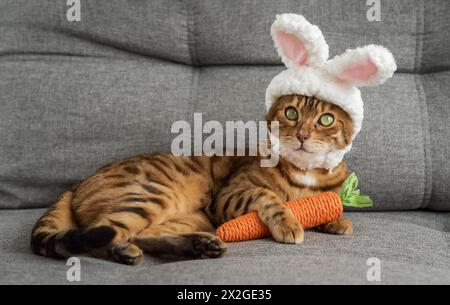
(57, 235)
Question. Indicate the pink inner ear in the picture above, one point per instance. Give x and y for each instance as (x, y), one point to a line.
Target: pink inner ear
(360, 71)
(293, 48)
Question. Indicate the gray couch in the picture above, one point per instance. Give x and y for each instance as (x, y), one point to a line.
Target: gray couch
(75, 95)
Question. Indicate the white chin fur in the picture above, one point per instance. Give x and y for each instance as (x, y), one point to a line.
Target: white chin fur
(304, 160)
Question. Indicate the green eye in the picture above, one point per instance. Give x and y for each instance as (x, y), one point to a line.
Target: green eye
(291, 114)
(326, 119)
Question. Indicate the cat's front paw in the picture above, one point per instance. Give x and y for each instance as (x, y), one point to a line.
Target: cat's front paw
(337, 227)
(288, 231)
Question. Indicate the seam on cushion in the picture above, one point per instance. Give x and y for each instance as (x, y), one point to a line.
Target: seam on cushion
(194, 87)
(194, 91)
(420, 28)
(190, 28)
(428, 172)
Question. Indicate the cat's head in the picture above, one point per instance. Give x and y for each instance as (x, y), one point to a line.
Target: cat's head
(312, 133)
(310, 73)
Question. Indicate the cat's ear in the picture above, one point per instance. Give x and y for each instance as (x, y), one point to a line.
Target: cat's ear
(298, 42)
(367, 66)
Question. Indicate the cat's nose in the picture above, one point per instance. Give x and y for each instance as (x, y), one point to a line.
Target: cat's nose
(302, 137)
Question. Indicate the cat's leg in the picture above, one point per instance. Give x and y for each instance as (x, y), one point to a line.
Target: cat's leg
(125, 225)
(193, 244)
(282, 223)
(188, 237)
(341, 226)
(120, 252)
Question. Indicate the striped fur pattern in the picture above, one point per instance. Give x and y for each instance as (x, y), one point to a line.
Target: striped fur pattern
(154, 203)
(166, 205)
(261, 189)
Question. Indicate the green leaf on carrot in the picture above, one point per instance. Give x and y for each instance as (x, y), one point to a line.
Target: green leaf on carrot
(351, 196)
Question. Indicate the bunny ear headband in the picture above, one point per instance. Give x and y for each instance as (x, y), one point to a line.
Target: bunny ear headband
(303, 50)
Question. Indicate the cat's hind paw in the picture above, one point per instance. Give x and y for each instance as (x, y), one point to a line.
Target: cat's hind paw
(337, 227)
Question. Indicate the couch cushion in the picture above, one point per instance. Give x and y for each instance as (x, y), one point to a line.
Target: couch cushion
(433, 41)
(108, 28)
(388, 155)
(78, 95)
(415, 31)
(413, 248)
(60, 118)
(436, 90)
(240, 33)
(210, 32)
(57, 127)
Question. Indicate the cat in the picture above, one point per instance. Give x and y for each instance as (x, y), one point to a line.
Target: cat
(166, 205)
(311, 133)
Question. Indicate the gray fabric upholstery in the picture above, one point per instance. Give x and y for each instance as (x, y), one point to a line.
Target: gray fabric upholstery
(412, 247)
(54, 134)
(76, 95)
(156, 28)
(210, 32)
(435, 87)
(238, 33)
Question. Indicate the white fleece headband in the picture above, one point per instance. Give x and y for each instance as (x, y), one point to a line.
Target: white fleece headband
(304, 52)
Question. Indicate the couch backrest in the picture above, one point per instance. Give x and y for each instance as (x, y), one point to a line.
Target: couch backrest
(75, 95)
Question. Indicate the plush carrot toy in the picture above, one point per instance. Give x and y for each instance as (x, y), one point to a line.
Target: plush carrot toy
(310, 211)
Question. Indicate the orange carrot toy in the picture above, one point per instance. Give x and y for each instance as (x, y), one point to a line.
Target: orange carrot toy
(310, 211)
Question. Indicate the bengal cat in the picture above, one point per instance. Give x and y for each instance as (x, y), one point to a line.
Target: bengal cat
(166, 205)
